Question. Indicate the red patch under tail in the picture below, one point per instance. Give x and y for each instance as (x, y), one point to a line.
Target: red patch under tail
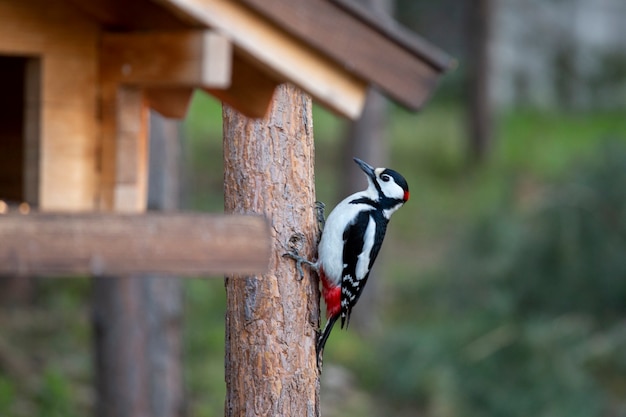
(332, 296)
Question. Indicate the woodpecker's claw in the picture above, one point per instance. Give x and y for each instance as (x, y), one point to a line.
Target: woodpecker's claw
(299, 261)
(296, 258)
(295, 243)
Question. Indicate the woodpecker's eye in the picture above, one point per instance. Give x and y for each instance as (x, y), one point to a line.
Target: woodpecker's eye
(385, 177)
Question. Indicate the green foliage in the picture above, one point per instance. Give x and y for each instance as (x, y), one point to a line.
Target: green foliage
(517, 316)
(526, 316)
(202, 155)
(204, 346)
(7, 395)
(55, 397)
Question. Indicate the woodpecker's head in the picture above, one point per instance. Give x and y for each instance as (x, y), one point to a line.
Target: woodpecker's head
(387, 184)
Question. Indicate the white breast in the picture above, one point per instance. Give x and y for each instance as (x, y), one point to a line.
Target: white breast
(330, 250)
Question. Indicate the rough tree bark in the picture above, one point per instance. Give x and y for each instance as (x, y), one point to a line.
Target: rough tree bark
(138, 319)
(271, 319)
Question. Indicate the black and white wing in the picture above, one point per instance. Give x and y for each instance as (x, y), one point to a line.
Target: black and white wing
(362, 241)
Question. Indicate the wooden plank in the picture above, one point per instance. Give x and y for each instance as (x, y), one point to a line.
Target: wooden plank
(124, 151)
(62, 128)
(67, 159)
(68, 139)
(111, 244)
(283, 57)
(187, 58)
(354, 44)
(63, 74)
(131, 173)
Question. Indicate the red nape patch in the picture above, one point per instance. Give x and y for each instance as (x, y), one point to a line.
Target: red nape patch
(406, 196)
(332, 296)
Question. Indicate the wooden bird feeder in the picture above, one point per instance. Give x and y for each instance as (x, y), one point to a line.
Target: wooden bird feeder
(77, 79)
(79, 76)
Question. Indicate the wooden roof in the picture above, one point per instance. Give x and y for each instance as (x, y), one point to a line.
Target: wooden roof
(401, 64)
(332, 49)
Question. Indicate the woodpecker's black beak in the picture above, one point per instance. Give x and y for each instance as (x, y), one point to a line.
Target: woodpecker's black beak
(367, 168)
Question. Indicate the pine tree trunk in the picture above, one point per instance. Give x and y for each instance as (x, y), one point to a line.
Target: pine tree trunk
(271, 319)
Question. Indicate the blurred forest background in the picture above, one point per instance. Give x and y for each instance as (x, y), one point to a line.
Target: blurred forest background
(502, 285)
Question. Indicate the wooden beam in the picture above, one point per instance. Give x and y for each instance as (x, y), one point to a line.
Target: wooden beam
(284, 57)
(109, 244)
(187, 58)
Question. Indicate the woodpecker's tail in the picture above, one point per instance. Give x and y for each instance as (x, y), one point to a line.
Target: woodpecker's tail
(321, 342)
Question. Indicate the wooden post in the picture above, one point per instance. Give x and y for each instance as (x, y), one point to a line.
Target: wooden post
(147, 316)
(271, 319)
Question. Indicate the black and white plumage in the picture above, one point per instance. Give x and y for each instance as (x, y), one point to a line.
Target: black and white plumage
(350, 242)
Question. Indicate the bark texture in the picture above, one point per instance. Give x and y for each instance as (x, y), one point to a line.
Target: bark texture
(271, 319)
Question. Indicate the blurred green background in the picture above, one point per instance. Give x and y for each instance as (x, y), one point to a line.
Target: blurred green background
(504, 282)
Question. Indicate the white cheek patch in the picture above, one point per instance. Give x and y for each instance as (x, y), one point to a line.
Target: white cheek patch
(392, 190)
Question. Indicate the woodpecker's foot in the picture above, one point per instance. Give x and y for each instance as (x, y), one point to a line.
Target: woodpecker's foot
(299, 262)
(295, 243)
(321, 218)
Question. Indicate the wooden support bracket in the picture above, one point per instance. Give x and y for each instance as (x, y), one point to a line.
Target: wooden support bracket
(118, 245)
(172, 103)
(168, 65)
(149, 69)
(251, 91)
(188, 58)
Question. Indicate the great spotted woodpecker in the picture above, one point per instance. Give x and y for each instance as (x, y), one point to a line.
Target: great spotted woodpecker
(351, 239)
